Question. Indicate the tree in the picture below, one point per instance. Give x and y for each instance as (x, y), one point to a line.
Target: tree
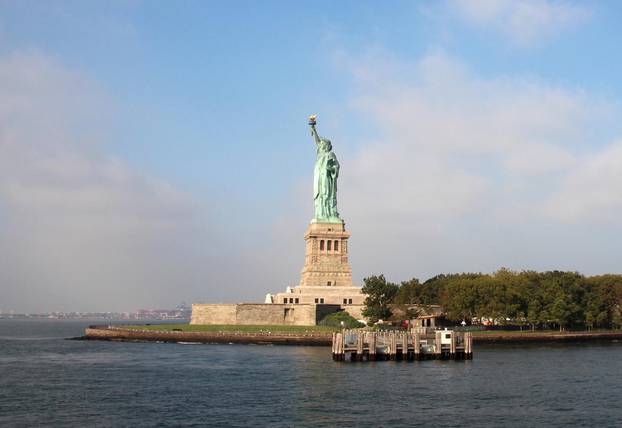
(434, 290)
(409, 293)
(380, 294)
(461, 298)
(563, 311)
(603, 300)
(561, 294)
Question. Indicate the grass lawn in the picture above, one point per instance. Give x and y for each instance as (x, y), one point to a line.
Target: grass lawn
(235, 328)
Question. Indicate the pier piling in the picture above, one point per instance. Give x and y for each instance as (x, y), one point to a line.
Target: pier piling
(363, 345)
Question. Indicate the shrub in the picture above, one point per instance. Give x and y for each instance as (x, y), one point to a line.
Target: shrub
(335, 319)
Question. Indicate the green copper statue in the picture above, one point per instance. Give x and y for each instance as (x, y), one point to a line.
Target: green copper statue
(324, 179)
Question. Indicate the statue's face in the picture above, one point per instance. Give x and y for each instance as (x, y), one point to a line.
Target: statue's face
(326, 145)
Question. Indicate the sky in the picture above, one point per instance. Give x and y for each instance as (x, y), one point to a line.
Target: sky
(154, 152)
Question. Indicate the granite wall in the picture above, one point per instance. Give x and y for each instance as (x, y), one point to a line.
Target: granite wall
(260, 313)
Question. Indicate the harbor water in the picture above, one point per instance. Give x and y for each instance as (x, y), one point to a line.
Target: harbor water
(46, 380)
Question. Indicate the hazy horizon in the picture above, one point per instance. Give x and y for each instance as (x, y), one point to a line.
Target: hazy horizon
(155, 152)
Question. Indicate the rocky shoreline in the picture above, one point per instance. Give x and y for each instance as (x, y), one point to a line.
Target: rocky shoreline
(546, 337)
(264, 338)
(108, 333)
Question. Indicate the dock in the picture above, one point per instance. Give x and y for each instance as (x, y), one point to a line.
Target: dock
(414, 345)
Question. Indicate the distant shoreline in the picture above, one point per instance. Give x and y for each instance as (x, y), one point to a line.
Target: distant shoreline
(107, 333)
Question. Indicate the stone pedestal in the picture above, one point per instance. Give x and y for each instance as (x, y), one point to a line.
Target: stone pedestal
(326, 277)
(326, 256)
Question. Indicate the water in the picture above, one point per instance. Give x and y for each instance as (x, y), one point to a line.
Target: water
(45, 380)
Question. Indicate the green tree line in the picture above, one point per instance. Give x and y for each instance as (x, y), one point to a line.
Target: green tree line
(535, 299)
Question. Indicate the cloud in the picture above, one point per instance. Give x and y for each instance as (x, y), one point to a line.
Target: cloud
(466, 166)
(525, 22)
(80, 229)
(592, 190)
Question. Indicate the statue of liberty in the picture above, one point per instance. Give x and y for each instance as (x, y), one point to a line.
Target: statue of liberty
(324, 178)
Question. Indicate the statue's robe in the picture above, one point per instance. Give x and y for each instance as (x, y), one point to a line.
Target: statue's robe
(325, 185)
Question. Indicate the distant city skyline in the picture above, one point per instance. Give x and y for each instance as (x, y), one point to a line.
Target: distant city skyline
(181, 311)
(136, 138)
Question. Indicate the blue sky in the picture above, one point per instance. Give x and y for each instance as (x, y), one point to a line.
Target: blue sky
(159, 150)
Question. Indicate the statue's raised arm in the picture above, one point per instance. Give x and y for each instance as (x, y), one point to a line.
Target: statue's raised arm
(312, 123)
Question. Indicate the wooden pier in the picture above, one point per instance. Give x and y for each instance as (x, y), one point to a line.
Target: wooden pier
(419, 344)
